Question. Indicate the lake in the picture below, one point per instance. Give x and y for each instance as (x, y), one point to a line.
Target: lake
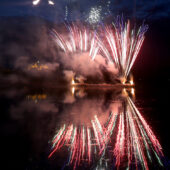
(85, 128)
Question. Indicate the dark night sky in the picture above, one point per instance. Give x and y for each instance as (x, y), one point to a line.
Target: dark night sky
(152, 9)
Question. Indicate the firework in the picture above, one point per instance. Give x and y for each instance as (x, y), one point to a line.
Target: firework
(94, 15)
(36, 2)
(135, 141)
(120, 142)
(118, 44)
(50, 2)
(124, 44)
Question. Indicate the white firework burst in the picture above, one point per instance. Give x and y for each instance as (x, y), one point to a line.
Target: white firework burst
(94, 15)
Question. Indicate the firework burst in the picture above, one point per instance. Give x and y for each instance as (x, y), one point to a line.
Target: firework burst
(94, 15)
(79, 40)
(118, 44)
(122, 44)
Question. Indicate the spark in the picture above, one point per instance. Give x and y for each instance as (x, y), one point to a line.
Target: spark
(36, 2)
(50, 2)
(73, 90)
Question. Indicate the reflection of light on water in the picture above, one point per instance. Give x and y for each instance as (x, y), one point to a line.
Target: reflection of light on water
(124, 92)
(72, 81)
(83, 141)
(135, 141)
(73, 90)
(36, 97)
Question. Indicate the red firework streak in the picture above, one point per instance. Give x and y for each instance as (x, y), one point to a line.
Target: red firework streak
(134, 140)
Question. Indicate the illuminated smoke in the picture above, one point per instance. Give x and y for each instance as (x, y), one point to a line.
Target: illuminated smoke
(80, 52)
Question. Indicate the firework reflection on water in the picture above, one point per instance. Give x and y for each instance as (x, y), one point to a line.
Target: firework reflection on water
(123, 138)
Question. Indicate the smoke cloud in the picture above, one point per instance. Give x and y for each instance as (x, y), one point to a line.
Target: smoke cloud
(27, 48)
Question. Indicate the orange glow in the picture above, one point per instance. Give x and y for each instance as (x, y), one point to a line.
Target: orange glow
(133, 91)
(131, 80)
(38, 67)
(72, 82)
(123, 80)
(124, 92)
(73, 90)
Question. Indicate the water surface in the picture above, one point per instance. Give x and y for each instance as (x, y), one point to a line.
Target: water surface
(55, 128)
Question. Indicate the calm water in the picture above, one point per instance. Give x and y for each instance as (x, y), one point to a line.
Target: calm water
(55, 128)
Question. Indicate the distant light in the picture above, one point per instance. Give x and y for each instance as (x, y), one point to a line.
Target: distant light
(35, 2)
(50, 2)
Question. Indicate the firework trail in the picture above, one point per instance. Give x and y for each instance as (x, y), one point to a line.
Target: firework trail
(118, 43)
(120, 141)
(126, 134)
(124, 44)
(79, 40)
(79, 141)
